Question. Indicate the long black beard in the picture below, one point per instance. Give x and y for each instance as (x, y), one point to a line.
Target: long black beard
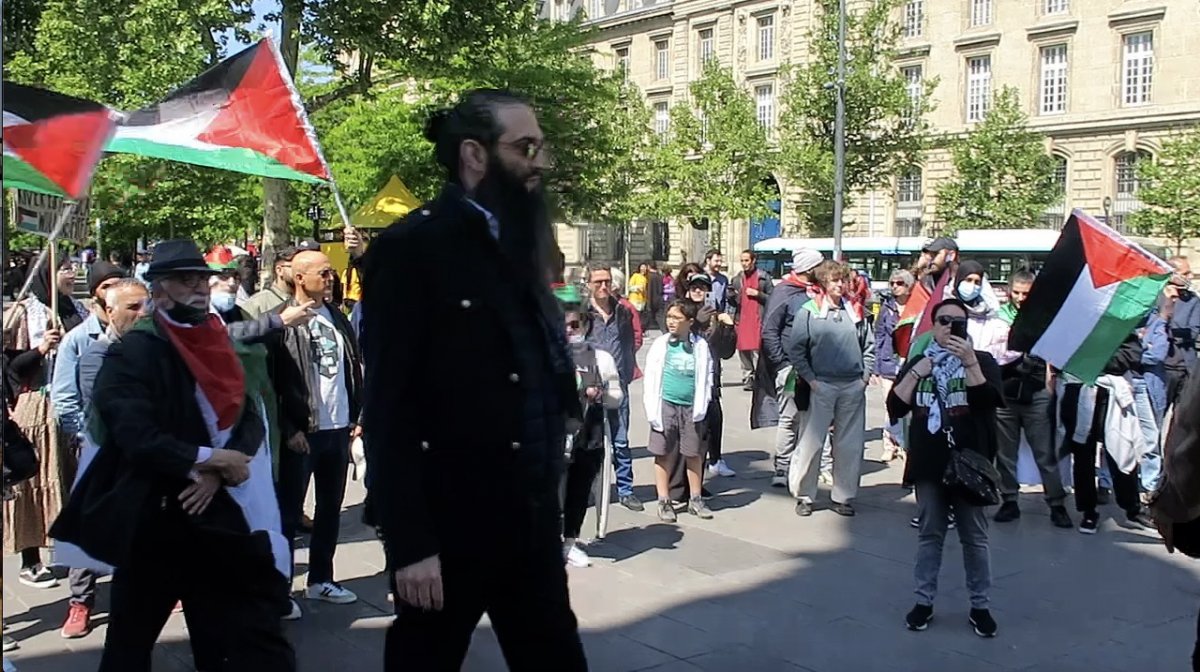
(526, 235)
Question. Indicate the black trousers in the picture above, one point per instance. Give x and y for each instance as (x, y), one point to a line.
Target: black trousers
(516, 575)
(580, 477)
(231, 594)
(716, 428)
(1125, 486)
(291, 483)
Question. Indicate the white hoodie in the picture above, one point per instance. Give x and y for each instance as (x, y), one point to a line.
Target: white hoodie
(656, 362)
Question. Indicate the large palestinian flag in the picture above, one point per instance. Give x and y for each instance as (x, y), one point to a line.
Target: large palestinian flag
(1094, 289)
(243, 114)
(52, 141)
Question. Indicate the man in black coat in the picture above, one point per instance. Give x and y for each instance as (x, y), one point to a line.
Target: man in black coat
(467, 422)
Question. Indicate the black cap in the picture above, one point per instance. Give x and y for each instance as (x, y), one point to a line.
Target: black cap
(177, 256)
(939, 244)
(700, 279)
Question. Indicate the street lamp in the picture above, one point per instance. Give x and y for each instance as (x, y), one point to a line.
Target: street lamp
(839, 134)
(1107, 210)
(316, 214)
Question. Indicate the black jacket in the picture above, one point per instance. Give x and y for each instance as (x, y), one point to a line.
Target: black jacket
(446, 408)
(295, 377)
(152, 432)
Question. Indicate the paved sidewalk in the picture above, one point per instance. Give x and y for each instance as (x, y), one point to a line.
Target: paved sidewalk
(759, 589)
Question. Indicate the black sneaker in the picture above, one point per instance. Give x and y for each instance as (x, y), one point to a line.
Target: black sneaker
(666, 512)
(918, 619)
(632, 503)
(779, 479)
(982, 621)
(1139, 518)
(1103, 495)
(699, 509)
(804, 509)
(37, 576)
(843, 509)
(1090, 522)
(1060, 518)
(1009, 511)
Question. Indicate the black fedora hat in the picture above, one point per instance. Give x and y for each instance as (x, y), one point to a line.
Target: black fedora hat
(177, 256)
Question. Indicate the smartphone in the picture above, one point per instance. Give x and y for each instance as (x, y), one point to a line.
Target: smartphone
(959, 328)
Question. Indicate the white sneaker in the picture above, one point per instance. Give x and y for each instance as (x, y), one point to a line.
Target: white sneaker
(720, 469)
(331, 592)
(295, 613)
(577, 557)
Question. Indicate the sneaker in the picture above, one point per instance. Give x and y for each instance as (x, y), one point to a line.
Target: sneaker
(78, 623)
(804, 509)
(332, 593)
(918, 619)
(699, 509)
(1060, 518)
(294, 613)
(1140, 518)
(577, 557)
(983, 623)
(1009, 511)
(37, 576)
(178, 607)
(779, 480)
(666, 512)
(1090, 522)
(720, 469)
(843, 510)
(951, 521)
(888, 455)
(1103, 495)
(632, 503)
(10, 644)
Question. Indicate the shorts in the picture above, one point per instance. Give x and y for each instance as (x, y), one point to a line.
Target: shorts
(679, 432)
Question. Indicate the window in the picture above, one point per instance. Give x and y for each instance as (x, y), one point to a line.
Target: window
(908, 187)
(703, 117)
(1056, 214)
(1138, 68)
(909, 204)
(1126, 202)
(596, 10)
(764, 97)
(981, 12)
(662, 120)
(979, 87)
(707, 49)
(662, 59)
(1057, 6)
(766, 38)
(623, 62)
(914, 82)
(1054, 79)
(914, 18)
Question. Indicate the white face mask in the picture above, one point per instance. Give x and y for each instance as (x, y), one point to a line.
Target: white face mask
(968, 291)
(574, 339)
(223, 302)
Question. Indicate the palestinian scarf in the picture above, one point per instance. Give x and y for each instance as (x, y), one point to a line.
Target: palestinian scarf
(946, 367)
(212, 361)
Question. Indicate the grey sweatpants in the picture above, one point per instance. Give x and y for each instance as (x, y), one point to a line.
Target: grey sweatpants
(844, 405)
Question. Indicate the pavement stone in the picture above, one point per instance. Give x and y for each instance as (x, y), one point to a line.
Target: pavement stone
(757, 588)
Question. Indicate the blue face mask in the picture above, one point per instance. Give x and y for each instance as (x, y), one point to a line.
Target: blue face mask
(968, 291)
(223, 302)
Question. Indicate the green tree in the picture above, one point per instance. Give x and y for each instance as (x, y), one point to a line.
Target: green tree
(886, 129)
(1170, 188)
(715, 161)
(1003, 177)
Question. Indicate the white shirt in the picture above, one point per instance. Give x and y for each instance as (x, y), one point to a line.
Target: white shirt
(328, 357)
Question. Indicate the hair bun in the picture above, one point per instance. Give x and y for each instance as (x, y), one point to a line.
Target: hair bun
(436, 124)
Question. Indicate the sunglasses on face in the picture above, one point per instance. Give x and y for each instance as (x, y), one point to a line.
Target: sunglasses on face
(946, 320)
(529, 148)
(574, 324)
(899, 283)
(327, 273)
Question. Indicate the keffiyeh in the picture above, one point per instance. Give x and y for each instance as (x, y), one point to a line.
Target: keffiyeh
(946, 367)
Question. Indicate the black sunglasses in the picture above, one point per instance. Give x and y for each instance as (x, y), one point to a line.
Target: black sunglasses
(946, 320)
(574, 324)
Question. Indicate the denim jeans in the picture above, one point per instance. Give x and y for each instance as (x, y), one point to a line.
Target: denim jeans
(328, 458)
(618, 427)
(1150, 462)
(933, 507)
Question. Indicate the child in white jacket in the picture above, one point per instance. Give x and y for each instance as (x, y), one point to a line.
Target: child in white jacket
(678, 387)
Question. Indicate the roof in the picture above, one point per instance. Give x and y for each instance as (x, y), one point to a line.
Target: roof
(392, 202)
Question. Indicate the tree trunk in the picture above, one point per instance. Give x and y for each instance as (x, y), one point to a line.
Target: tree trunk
(277, 193)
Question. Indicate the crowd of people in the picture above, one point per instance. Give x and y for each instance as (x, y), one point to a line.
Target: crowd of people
(180, 418)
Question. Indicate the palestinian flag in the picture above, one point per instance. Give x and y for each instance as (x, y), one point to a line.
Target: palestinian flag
(51, 141)
(902, 336)
(922, 331)
(1094, 289)
(243, 115)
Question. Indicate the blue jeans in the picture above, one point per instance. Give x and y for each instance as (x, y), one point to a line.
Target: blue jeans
(934, 503)
(1151, 460)
(618, 427)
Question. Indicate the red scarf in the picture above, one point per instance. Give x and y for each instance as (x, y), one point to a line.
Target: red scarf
(208, 354)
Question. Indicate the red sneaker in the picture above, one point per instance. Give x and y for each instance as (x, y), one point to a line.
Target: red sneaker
(78, 623)
(178, 608)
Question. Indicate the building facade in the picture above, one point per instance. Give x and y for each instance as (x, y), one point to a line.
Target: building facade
(1106, 82)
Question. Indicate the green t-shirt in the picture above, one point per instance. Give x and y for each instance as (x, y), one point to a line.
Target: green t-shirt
(679, 374)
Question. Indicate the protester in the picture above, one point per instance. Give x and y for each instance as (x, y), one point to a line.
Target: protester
(984, 327)
(676, 398)
(225, 283)
(714, 263)
(748, 292)
(1185, 327)
(717, 330)
(779, 397)
(1149, 384)
(832, 349)
(469, 510)
(612, 330)
(181, 422)
(668, 294)
(887, 356)
(937, 258)
(952, 392)
(1028, 398)
(637, 290)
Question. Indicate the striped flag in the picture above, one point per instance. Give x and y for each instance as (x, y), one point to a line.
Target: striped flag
(243, 114)
(52, 141)
(1094, 289)
(902, 336)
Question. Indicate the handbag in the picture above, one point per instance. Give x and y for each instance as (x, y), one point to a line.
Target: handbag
(969, 476)
(20, 457)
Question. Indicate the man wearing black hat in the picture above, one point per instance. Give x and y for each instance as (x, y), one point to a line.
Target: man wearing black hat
(68, 404)
(937, 256)
(178, 412)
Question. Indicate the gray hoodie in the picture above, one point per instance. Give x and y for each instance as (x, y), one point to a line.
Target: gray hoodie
(830, 344)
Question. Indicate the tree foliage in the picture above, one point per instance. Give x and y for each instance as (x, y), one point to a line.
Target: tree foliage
(1003, 177)
(715, 163)
(1170, 189)
(884, 132)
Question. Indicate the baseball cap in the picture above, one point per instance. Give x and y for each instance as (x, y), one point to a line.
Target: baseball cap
(286, 253)
(701, 279)
(939, 244)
